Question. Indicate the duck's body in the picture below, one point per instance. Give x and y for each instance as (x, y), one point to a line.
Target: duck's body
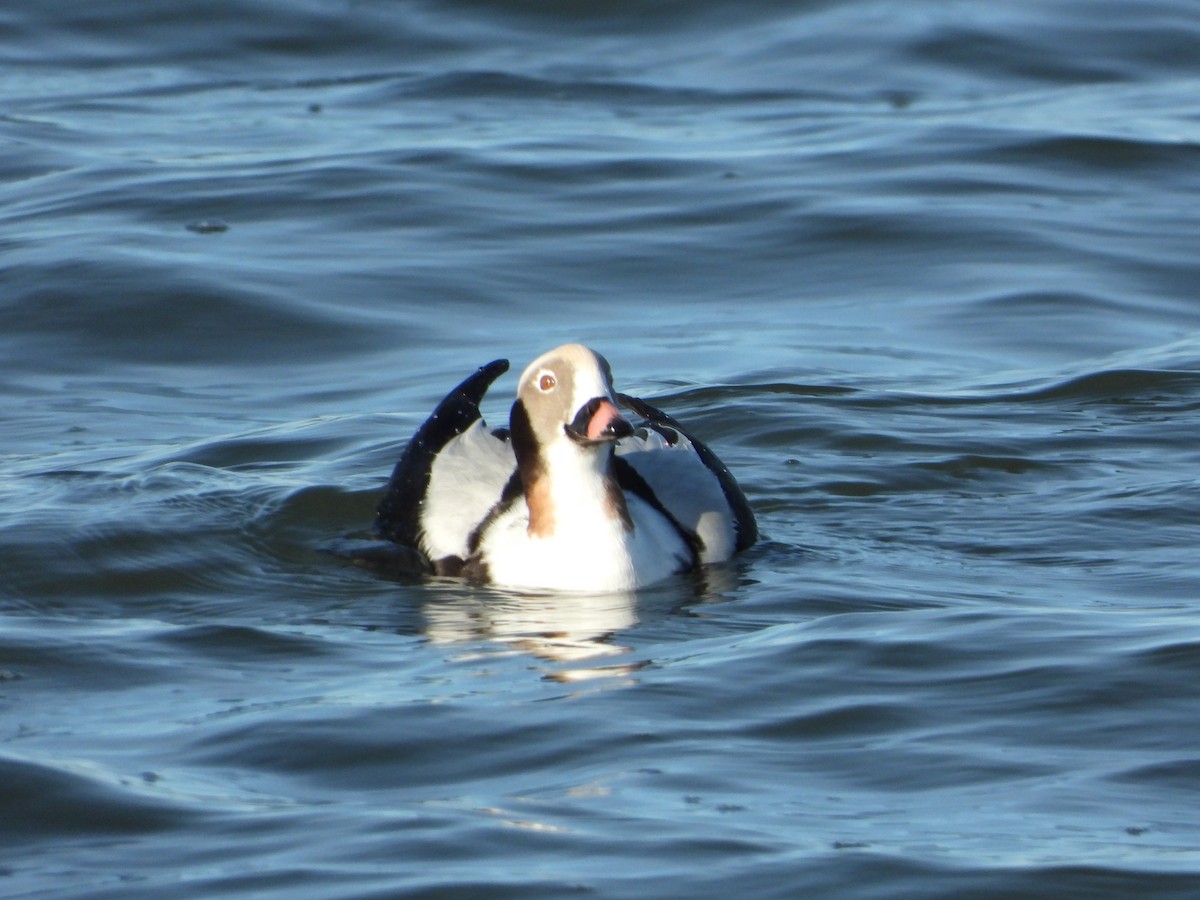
(569, 497)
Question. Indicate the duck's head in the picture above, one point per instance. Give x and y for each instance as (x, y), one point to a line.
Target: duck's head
(568, 393)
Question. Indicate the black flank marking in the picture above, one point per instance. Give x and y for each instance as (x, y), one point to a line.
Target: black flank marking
(399, 516)
(450, 566)
(629, 480)
(512, 491)
(616, 497)
(744, 525)
(476, 571)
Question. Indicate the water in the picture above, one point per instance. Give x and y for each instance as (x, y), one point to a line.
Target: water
(923, 274)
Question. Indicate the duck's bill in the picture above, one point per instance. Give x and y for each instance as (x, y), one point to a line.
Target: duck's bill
(597, 422)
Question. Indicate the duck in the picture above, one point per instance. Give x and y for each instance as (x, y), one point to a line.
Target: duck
(571, 496)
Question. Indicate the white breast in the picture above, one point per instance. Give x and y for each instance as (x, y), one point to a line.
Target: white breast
(598, 555)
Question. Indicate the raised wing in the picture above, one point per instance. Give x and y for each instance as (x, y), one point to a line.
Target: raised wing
(403, 513)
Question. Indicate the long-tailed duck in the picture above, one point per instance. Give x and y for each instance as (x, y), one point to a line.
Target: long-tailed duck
(570, 496)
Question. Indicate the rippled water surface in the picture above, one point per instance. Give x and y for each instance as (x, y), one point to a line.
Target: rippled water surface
(924, 274)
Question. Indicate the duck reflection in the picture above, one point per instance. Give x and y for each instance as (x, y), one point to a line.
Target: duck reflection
(575, 629)
(553, 627)
(587, 631)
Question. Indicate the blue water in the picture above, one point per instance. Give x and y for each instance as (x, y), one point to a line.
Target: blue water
(924, 275)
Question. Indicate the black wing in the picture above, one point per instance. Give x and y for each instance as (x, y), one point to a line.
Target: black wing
(399, 516)
(744, 524)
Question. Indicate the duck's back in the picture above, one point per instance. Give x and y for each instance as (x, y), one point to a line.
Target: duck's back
(691, 482)
(686, 488)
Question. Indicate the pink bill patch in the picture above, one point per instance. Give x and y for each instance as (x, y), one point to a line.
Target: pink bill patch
(606, 413)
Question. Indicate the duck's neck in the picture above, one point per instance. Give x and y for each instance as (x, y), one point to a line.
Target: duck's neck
(566, 486)
(573, 488)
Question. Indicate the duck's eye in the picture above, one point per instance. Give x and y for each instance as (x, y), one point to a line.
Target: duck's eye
(546, 382)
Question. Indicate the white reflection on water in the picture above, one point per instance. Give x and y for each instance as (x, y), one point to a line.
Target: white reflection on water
(554, 627)
(567, 628)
